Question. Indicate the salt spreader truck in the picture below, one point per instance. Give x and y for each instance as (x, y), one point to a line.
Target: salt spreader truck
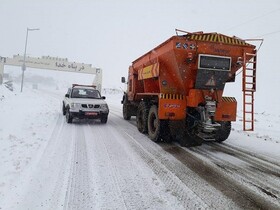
(176, 89)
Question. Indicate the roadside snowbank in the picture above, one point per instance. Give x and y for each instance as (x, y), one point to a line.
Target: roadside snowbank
(26, 122)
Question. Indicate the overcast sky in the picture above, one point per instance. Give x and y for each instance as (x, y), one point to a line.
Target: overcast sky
(111, 34)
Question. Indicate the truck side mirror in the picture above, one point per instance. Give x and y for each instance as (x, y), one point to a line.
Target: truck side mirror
(103, 97)
(67, 95)
(123, 79)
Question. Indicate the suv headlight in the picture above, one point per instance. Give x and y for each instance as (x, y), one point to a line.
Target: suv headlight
(104, 106)
(74, 105)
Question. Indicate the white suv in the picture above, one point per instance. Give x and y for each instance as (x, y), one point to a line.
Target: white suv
(84, 101)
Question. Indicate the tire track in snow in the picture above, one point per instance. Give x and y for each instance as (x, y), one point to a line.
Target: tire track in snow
(106, 191)
(236, 190)
(56, 160)
(79, 191)
(158, 163)
(242, 199)
(45, 182)
(262, 176)
(131, 181)
(263, 163)
(180, 174)
(60, 141)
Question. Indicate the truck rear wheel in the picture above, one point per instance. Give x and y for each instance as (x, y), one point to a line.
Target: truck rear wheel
(223, 133)
(158, 129)
(126, 108)
(191, 130)
(154, 124)
(189, 140)
(142, 117)
(183, 132)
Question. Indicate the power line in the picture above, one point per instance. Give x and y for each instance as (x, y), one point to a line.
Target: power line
(267, 34)
(255, 18)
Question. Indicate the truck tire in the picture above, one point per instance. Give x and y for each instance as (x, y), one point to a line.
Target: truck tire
(165, 131)
(182, 132)
(142, 117)
(189, 140)
(126, 109)
(154, 124)
(63, 109)
(179, 133)
(190, 131)
(126, 114)
(223, 133)
(68, 116)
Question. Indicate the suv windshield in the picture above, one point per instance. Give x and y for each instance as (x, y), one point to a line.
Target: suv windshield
(85, 93)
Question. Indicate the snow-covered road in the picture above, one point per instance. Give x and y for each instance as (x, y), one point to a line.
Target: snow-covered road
(89, 165)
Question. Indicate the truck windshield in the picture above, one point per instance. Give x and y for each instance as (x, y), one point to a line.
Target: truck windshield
(85, 93)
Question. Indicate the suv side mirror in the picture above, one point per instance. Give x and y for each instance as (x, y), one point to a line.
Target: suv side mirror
(103, 97)
(123, 80)
(67, 95)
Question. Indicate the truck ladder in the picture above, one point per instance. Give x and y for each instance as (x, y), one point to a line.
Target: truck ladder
(248, 88)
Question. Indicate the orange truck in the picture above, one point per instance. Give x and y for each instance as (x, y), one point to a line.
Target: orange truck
(176, 89)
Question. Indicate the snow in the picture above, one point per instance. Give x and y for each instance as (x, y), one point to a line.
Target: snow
(27, 119)
(265, 140)
(19, 131)
(46, 163)
(36, 146)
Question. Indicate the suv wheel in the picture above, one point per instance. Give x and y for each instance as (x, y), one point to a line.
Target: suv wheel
(104, 119)
(63, 109)
(68, 116)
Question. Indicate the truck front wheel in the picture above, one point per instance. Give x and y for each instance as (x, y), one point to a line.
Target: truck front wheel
(126, 108)
(126, 113)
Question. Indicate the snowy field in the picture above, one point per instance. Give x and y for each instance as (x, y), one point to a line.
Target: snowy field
(28, 127)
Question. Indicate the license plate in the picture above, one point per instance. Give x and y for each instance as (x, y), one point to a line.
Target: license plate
(91, 113)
